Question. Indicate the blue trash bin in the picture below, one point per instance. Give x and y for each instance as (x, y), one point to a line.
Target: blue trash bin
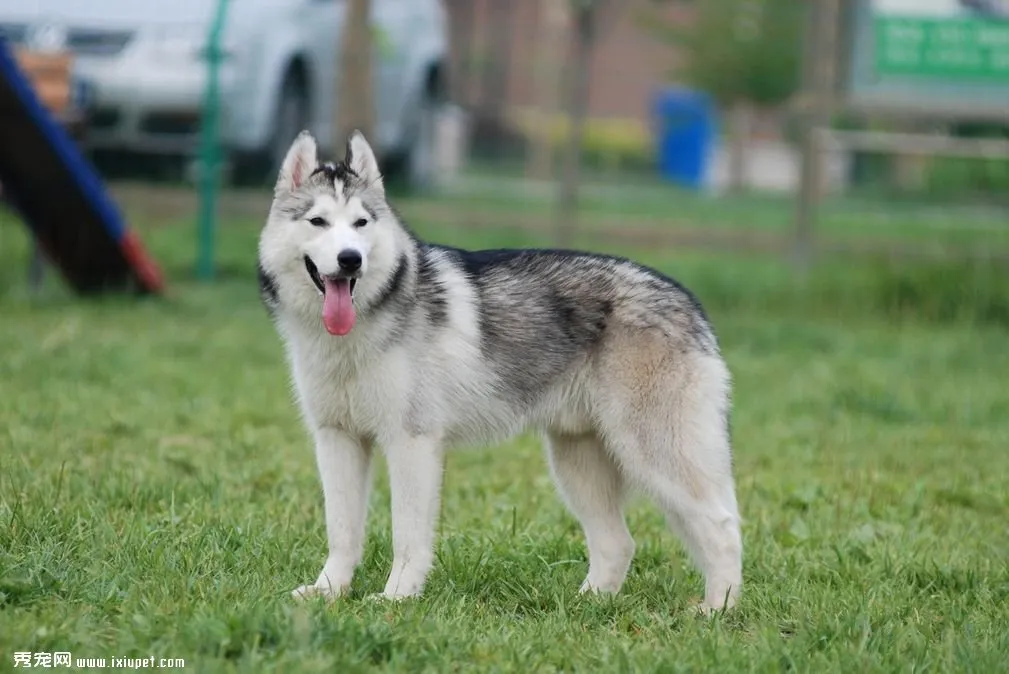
(685, 135)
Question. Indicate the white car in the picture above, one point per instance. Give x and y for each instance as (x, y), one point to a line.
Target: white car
(145, 63)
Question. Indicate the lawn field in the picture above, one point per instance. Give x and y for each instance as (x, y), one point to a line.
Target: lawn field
(159, 496)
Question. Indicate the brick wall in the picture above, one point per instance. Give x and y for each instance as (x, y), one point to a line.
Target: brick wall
(495, 56)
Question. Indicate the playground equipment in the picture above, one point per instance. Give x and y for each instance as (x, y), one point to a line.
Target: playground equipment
(59, 196)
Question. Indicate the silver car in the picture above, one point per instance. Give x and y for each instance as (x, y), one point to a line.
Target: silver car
(145, 63)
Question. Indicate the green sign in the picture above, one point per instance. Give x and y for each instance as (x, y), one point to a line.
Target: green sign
(942, 56)
(956, 48)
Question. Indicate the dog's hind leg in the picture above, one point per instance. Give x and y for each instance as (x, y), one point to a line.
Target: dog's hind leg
(707, 520)
(593, 489)
(670, 437)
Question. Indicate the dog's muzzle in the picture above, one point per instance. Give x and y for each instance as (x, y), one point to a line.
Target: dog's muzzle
(313, 273)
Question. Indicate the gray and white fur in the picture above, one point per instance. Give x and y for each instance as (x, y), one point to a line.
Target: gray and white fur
(615, 363)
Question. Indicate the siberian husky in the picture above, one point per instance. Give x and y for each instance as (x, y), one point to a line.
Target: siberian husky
(406, 347)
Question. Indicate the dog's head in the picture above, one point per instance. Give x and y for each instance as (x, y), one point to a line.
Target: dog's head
(330, 235)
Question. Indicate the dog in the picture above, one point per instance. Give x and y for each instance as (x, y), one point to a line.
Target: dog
(409, 348)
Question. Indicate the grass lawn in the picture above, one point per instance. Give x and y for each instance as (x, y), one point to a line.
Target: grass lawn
(659, 206)
(158, 494)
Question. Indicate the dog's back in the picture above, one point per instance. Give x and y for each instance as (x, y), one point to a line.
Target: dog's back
(539, 322)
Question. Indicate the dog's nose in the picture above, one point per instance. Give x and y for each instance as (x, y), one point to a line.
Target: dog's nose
(350, 260)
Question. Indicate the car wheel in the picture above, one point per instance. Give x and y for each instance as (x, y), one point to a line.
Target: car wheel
(289, 118)
(413, 166)
(420, 170)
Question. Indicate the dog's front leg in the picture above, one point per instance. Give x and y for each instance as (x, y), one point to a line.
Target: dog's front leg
(344, 469)
(415, 474)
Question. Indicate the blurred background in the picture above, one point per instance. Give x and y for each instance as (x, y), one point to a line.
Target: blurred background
(779, 127)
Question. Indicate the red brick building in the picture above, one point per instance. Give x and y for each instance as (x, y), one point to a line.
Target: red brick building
(496, 49)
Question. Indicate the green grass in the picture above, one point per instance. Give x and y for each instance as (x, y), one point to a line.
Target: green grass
(158, 494)
(649, 203)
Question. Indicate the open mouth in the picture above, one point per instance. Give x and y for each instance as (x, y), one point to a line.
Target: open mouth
(313, 273)
(338, 314)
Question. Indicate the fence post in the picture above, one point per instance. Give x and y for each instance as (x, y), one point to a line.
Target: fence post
(210, 147)
(819, 54)
(582, 40)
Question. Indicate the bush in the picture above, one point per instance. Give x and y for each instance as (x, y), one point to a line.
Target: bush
(943, 293)
(938, 292)
(962, 177)
(614, 144)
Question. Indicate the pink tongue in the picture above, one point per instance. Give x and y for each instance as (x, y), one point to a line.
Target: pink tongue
(337, 308)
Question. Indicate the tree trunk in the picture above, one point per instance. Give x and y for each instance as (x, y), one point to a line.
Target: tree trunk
(910, 171)
(495, 94)
(462, 74)
(355, 98)
(553, 19)
(740, 122)
(579, 66)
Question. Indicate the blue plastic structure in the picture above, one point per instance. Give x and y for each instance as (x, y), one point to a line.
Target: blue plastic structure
(60, 196)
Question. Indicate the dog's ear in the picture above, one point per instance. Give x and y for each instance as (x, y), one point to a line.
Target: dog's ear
(361, 160)
(299, 163)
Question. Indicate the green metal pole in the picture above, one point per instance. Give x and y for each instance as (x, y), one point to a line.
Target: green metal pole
(210, 147)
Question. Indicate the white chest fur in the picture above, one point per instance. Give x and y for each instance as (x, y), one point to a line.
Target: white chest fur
(341, 385)
(415, 387)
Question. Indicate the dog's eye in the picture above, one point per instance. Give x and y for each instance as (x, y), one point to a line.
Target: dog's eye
(360, 222)
(318, 222)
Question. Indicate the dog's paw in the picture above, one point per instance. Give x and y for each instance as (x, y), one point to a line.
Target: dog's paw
(718, 600)
(389, 596)
(307, 592)
(590, 588)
